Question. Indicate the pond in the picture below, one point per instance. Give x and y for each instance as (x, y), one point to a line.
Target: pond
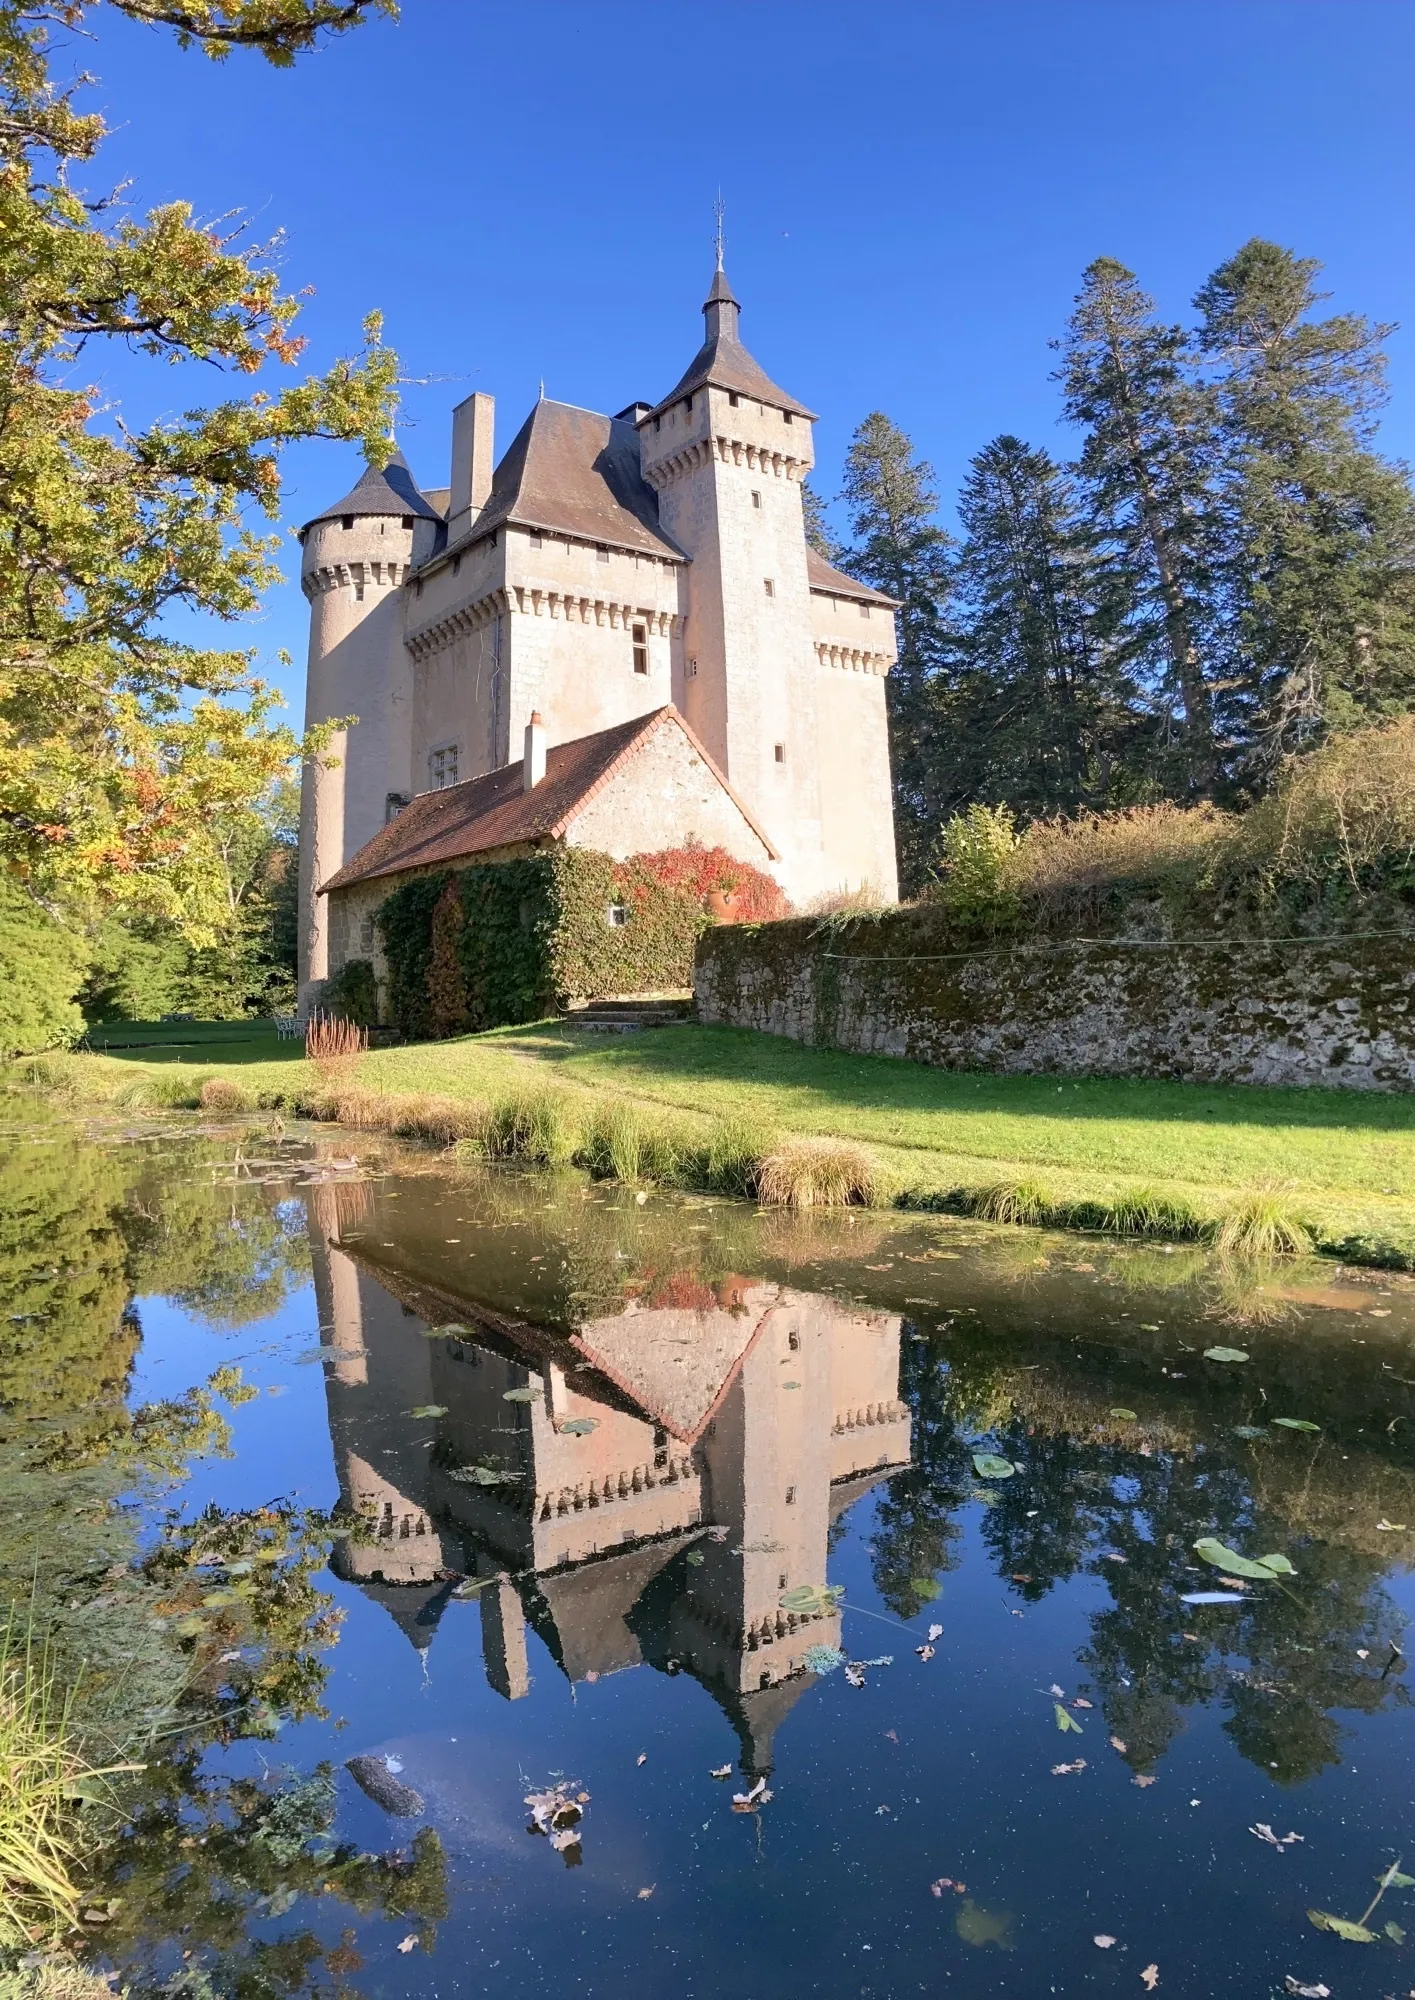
(517, 1583)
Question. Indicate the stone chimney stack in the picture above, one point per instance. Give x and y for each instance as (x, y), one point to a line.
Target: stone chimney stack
(533, 763)
(473, 463)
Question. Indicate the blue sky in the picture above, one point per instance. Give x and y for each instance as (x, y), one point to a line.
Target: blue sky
(912, 193)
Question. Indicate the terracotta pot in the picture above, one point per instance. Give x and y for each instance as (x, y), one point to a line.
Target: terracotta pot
(722, 906)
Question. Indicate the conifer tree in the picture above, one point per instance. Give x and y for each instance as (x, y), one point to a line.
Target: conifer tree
(1319, 532)
(1144, 464)
(900, 548)
(1043, 712)
(819, 535)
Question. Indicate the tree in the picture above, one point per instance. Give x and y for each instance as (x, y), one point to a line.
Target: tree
(900, 548)
(818, 530)
(1043, 709)
(1319, 532)
(126, 756)
(1144, 462)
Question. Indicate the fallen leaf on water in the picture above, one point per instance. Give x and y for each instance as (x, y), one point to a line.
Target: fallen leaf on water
(1104, 1940)
(429, 1410)
(718, 1534)
(1249, 1430)
(1054, 1689)
(1225, 1354)
(721, 1771)
(988, 1465)
(1262, 1831)
(924, 1652)
(1267, 1567)
(1065, 1721)
(1341, 1927)
(1142, 1781)
(943, 1882)
(1385, 1527)
(892, 1735)
(745, 1802)
(642, 1758)
(1116, 1744)
(644, 1894)
(696, 1558)
(1065, 1770)
(1081, 1702)
(525, 1395)
(1395, 1933)
(407, 1943)
(1151, 1977)
(1296, 1424)
(1125, 1416)
(1317, 1992)
(934, 1632)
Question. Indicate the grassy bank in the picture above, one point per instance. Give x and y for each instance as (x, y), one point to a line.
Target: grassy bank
(707, 1107)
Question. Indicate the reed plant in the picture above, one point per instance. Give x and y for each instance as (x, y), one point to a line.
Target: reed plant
(1024, 1201)
(1261, 1224)
(819, 1173)
(1146, 1211)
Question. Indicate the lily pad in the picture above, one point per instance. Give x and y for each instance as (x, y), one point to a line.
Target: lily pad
(1265, 1567)
(429, 1410)
(579, 1427)
(696, 1558)
(1225, 1354)
(1341, 1927)
(812, 1600)
(988, 1465)
(526, 1395)
(1296, 1424)
(1126, 1416)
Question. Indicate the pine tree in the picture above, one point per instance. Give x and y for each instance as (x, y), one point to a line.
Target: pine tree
(1144, 463)
(819, 534)
(900, 548)
(1319, 531)
(1043, 712)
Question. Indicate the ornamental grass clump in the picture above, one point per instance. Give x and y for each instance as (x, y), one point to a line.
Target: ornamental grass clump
(538, 1126)
(732, 1157)
(1261, 1224)
(1011, 1201)
(220, 1093)
(818, 1173)
(41, 1775)
(1146, 1212)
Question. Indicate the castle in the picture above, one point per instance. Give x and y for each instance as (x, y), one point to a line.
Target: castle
(650, 568)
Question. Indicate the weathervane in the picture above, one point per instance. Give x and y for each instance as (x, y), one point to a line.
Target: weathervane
(719, 209)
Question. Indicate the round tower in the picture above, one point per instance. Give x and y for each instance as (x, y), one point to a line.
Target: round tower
(357, 555)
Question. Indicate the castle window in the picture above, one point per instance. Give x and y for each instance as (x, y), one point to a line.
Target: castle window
(456, 564)
(641, 649)
(769, 586)
(347, 522)
(601, 552)
(756, 499)
(787, 418)
(536, 541)
(442, 767)
(687, 406)
(779, 752)
(864, 610)
(793, 1340)
(366, 935)
(733, 399)
(407, 520)
(418, 588)
(781, 1580)
(658, 423)
(791, 1496)
(692, 670)
(616, 916)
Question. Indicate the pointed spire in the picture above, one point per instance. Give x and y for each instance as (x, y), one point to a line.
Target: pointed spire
(721, 309)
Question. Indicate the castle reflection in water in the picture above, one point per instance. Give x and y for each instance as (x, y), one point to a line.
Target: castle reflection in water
(659, 1479)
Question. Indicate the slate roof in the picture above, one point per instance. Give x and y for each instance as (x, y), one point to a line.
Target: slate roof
(390, 489)
(495, 811)
(722, 362)
(821, 575)
(573, 472)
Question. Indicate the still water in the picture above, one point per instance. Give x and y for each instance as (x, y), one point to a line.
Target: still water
(608, 1592)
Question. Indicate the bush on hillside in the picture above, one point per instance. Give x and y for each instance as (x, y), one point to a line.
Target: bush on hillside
(351, 993)
(44, 968)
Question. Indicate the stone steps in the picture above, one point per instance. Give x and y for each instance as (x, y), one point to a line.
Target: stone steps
(627, 1017)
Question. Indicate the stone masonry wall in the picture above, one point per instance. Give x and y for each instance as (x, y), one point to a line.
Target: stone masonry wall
(1340, 1013)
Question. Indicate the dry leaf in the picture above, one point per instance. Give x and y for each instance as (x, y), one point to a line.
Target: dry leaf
(642, 1758)
(1142, 1781)
(1116, 1744)
(1105, 1941)
(924, 1652)
(934, 1632)
(1317, 1992)
(721, 1771)
(1151, 1977)
(1081, 1702)
(644, 1894)
(1065, 1770)
(409, 1941)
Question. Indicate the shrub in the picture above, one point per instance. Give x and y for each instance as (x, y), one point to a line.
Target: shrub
(818, 1173)
(220, 1093)
(1011, 1201)
(695, 872)
(1145, 1212)
(1261, 1224)
(973, 853)
(733, 1155)
(351, 993)
(535, 1125)
(43, 969)
(1078, 863)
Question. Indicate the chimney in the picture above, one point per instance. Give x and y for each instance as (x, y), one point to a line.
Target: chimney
(533, 763)
(473, 462)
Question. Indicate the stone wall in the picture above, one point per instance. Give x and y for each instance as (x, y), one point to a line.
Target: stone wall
(1340, 1013)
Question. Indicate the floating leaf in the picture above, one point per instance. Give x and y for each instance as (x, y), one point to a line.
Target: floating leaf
(429, 1410)
(1249, 1430)
(1064, 1719)
(1398, 1881)
(926, 1588)
(812, 1600)
(525, 1395)
(1225, 1354)
(579, 1427)
(1395, 1933)
(214, 1599)
(1126, 1416)
(1265, 1568)
(1296, 1424)
(988, 1465)
(1341, 1927)
(696, 1558)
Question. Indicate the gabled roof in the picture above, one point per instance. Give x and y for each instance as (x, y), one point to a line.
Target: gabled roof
(676, 1363)
(824, 576)
(390, 489)
(722, 362)
(573, 472)
(495, 811)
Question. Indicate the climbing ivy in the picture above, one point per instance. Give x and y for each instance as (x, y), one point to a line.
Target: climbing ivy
(405, 927)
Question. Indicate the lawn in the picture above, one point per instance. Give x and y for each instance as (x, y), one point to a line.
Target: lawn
(1347, 1158)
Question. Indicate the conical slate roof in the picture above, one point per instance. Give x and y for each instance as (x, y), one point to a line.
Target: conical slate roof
(390, 489)
(722, 362)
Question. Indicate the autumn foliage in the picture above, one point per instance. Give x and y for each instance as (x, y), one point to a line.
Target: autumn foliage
(754, 898)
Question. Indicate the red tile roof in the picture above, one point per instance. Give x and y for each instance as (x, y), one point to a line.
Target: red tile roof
(496, 811)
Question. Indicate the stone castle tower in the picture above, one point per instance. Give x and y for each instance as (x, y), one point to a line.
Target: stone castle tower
(605, 567)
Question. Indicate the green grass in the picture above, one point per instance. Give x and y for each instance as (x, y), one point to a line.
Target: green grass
(1146, 1158)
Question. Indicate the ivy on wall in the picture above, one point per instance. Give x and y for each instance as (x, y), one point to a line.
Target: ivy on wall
(508, 941)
